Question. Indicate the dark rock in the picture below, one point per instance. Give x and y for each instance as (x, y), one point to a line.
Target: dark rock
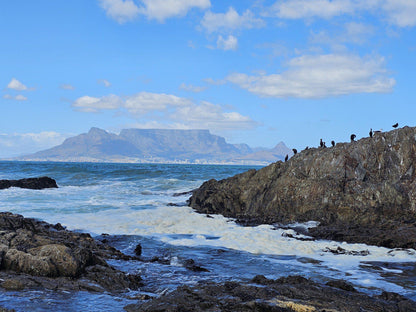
(364, 191)
(37, 254)
(138, 250)
(344, 285)
(293, 293)
(191, 265)
(30, 183)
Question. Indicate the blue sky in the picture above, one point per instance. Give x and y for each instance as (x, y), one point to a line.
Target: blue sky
(255, 72)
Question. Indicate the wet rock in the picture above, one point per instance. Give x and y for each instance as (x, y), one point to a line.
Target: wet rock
(29, 183)
(12, 284)
(293, 293)
(342, 251)
(363, 191)
(138, 250)
(37, 254)
(191, 265)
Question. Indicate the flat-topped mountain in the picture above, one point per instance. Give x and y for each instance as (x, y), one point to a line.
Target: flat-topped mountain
(363, 191)
(157, 145)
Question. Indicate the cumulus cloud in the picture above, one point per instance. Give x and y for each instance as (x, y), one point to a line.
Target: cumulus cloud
(295, 9)
(230, 21)
(15, 84)
(160, 10)
(18, 97)
(127, 10)
(319, 76)
(17, 144)
(229, 43)
(168, 109)
(192, 88)
(401, 13)
(120, 10)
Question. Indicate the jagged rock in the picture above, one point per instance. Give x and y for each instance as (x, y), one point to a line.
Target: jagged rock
(289, 294)
(34, 253)
(363, 191)
(29, 183)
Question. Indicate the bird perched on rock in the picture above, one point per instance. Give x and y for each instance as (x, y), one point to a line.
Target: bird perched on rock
(353, 136)
(295, 151)
(286, 157)
(321, 143)
(371, 132)
(333, 143)
(395, 125)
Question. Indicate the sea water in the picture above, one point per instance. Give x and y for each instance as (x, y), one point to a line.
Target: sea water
(134, 204)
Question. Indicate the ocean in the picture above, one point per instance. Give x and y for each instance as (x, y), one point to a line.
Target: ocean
(139, 204)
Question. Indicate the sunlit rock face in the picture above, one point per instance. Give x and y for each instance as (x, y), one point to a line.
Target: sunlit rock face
(362, 191)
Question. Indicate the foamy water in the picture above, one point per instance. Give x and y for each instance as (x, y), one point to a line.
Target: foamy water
(136, 201)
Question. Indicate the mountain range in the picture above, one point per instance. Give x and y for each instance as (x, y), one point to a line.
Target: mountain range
(157, 146)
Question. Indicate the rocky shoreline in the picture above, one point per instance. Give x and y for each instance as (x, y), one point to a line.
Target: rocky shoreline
(42, 256)
(360, 192)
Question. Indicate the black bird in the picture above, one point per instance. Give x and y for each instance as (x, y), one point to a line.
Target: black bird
(294, 151)
(395, 125)
(306, 148)
(324, 145)
(321, 143)
(353, 136)
(371, 132)
(333, 143)
(286, 158)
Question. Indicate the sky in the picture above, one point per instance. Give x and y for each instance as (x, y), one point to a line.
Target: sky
(254, 72)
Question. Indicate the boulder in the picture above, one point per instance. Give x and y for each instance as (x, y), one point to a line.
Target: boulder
(34, 253)
(363, 191)
(29, 183)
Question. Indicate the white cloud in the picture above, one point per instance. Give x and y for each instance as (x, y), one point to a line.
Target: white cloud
(18, 97)
(318, 76)
(17, 144)
(67, 86)
(295, 9)
(230, 21)
(163, 9)
(120, 10)
(229, 43)
(15, 84)
(191, 88)
(104, 82)
(93, 104)
(401, 13)
(169, 110)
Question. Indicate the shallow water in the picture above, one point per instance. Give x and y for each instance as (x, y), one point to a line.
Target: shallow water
(132, 203)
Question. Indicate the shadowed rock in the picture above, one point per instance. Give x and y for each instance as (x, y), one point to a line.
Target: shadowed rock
(363, 191)
(289, 294)
(29, 183)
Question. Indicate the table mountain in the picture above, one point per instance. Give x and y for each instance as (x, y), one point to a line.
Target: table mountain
(156, 145)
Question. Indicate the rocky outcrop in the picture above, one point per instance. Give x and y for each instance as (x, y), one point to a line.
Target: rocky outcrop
(363, 191)
(34, 253)
(289, 294)
(29, 183)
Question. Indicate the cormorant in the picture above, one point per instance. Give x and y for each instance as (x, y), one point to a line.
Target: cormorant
(286, 158)
(333, 143)
(371, 132)
(321, 143)
(352, 137)
(294, 151)
(324, 145)
(395, 125)
(306, 148)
